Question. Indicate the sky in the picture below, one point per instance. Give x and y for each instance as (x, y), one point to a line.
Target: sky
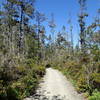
(65, 9)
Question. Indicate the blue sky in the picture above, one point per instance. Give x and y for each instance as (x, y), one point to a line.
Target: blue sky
(63, 8)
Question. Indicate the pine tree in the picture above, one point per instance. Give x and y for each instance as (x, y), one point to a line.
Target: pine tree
(71, 35)
(52, 25)
(82, 24)
(40, 31)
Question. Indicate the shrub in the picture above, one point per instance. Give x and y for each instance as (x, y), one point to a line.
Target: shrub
(95, 96)
(82, 85)
(19, 82)
(96, 80)
(3, 95)
(12, 94)
(30, 83)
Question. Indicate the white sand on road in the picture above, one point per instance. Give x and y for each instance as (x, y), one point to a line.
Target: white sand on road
(55, 84)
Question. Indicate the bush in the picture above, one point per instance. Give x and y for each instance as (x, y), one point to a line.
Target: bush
(95, 96)
(81, 84)
(21, 81)
(48, 66)
(96, 80)
(3, 95)
(30, 83)
(38, 71)
(12, 94)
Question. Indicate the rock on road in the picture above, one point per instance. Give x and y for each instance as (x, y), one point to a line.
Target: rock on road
(55, 86)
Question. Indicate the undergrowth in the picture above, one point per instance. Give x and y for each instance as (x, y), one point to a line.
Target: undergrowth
(21, 81)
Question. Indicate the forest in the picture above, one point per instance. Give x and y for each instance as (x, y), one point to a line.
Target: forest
(26, 50)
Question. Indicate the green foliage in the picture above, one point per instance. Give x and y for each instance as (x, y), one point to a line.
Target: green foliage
(82, 73)
(95, 77)
(82, 86)
(86, 94)
(12, 94)
(22, 81)
(95, 96)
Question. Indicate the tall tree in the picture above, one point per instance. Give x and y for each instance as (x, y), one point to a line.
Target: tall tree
(40, 31)
(71, 35)
(52, 25)
(82, 24)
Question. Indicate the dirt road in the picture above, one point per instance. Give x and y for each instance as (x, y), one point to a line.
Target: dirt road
(56, 87)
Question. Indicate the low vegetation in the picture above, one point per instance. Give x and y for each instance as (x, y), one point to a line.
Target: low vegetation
(20, 82)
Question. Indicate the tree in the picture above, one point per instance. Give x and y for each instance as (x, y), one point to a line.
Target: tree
(40, 31)
(82, 24)
(71, 35)
(26, 12)
(52, 25)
